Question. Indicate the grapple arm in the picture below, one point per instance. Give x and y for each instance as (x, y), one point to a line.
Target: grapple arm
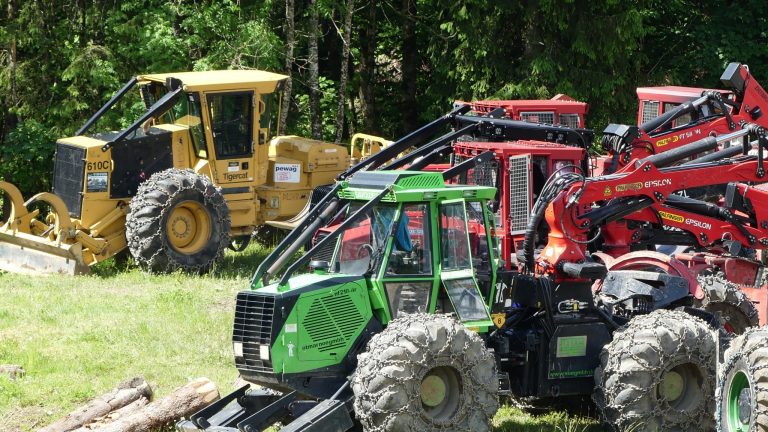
(247, 410)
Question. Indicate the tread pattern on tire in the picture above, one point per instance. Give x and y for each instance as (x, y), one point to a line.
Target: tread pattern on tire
(145, 222)
(387, 380)
(725, 297)
(747, 353)
(631, 367)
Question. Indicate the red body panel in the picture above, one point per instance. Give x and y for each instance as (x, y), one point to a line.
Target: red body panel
(544, 157)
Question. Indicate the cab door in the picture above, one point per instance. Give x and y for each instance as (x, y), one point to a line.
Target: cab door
(457, 274)
(232, 134)
(409, 271)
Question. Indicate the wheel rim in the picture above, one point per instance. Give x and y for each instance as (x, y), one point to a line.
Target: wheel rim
(441, 393)
(739, 403)
(189, 227)
(680, 387)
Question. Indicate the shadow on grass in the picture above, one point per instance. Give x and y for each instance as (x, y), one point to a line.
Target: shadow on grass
(234, 265)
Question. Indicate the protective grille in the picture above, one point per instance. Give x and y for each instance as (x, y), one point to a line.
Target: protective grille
(650, 110)
(538, 117)
(325, 253)
(68, 174)
(570, 120)
(519, 192)
(253, 327)
(484, 174)
(332, 321)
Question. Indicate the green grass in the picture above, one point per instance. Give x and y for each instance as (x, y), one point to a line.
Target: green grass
(77, 337)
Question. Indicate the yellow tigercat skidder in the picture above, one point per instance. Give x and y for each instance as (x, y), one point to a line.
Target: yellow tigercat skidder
(196, 171)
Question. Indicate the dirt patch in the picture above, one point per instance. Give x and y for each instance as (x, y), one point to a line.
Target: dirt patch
(25, 419)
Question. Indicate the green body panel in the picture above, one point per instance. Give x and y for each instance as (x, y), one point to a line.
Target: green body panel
(323, 324)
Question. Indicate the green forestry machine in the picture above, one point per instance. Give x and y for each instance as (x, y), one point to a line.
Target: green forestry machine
(390, 329)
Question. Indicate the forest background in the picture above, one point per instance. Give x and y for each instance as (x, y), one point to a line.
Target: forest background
(374, 66)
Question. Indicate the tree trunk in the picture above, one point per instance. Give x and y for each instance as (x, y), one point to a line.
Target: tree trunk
(115, 415)
(314, 74)
(368, 68)
(125, 393)
(182, 402)
(346, 41)
(290, 43)
(352, 116)
(9, 120)
(410, 57)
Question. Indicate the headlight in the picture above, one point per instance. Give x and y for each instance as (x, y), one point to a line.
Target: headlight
(264, 352)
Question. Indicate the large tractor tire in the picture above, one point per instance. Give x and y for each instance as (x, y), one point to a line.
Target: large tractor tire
(658, 374)
(426, 373)
(742, 390)
(724, 299)
(177, 220)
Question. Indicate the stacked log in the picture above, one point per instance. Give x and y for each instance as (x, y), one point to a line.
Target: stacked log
(127, 408)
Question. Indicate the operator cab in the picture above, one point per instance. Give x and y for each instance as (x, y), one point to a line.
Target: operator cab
(655, 101)
(424, 253)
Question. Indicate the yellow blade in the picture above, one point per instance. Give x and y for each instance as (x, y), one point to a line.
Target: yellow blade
(28, 254)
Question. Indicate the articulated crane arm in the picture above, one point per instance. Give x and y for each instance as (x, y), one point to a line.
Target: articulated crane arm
(712, 114)
(579, 210)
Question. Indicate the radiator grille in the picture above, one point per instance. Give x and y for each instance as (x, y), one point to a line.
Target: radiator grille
(332, 321)
(68, 175)
(538, 117)
(253, 327)
(519, 192)
(650, 110)
(570, 120)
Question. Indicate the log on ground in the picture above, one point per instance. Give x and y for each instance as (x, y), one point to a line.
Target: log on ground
(125, 393)
(183, 402)
(115, 415)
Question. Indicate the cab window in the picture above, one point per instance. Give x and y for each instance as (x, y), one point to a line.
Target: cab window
(453, 237)
(231, 123)
(192, 120)
(359, 245)
(411, 252)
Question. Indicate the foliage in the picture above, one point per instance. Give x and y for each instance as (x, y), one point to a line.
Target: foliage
(27, 153)
(71, 56)
(301, 122)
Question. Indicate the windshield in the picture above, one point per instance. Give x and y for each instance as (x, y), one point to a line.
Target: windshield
(361, 246)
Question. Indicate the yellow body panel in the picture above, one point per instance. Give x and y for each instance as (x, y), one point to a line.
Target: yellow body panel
(362, 146)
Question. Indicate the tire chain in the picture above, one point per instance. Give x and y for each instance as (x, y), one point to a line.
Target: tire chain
(183, 179)
(718, 289)
(702, 352)
(407, 328)
(745, 346)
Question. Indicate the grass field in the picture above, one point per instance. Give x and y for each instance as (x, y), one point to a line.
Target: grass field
(78, 337)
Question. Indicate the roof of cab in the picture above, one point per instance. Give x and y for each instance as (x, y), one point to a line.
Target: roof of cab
(263, 81)
(409, 186)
